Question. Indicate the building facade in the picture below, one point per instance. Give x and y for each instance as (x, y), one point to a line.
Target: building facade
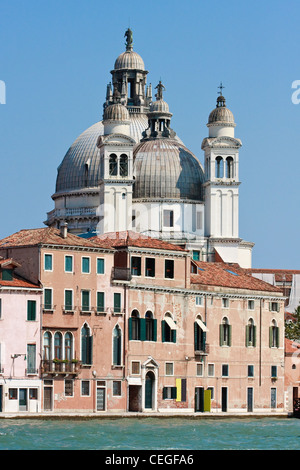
(134, 324)
(20, 341)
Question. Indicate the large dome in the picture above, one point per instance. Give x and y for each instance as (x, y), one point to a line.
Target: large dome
(81, 165)
(129, 60)
(165, 168)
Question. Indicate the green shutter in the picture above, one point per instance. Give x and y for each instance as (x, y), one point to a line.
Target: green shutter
(68, 299)
(163, 324)
(254, 335)
(173, 335)
(85, 295)
(174, 392)
(89, 350)
(183, 389)
(221, 334)
(154, 330)
(68, 264)
(270, 336)
(277, 337)
(229, 334)
(129, 328)
(100, 302)
(195, 336)
(142, 329)
(247, 335)
(100, 266)
(31, 310)
(164, 393)
(48, 298)
(117, 303)
(48, 262)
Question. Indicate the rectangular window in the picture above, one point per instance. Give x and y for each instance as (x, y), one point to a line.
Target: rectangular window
(250, 370)
(211, 370)
(169, 368)
(169, 269)
(100, 265)
(68, 264)
(274, 372)
(168, 218)
(100, 302)
(31, 359)
(85, 300)
(48, 262)
(31, 310)
(169, 393)
(85, 388)
(225, 370)
(199, 369)
(199, 300)
(68, 388)
(274, 306)
(117, 303)
(13, 393)
(225, 302)
(196, 255)
(85, 265)
(117, 388)
(68, 299)
(33, 394)
(7, 275)
(136, 264)
(150, 267)
(48, 299)
(135, 367)
(250, 304)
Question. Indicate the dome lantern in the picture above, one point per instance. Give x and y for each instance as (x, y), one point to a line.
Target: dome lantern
(221, 120)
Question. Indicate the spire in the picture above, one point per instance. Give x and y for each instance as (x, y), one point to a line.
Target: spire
(221, 102)
(129, 42)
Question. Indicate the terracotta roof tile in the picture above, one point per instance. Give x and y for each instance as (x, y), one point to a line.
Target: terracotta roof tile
(229, 275)
(47, 235)
(130, 238)
(290, 346)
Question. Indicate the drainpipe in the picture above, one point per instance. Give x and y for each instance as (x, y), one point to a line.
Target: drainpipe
(260, 337)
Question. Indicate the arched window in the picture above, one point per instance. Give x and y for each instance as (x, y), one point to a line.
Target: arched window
(86, 345)
(117, 344)
(229, 167)
(113, 165)
(251, 333)
(168, 329)
(225, 333)
(219, 167)
(199, 334)
(58, 345)
(68, 346)
(47, 346)
(150, 326)
(135, 326)
(274, 335)
(123, 165)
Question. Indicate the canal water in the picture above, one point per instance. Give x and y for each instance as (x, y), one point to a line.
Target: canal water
(150, 434)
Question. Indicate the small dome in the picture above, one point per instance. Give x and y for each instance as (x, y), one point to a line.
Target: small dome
(221, 114)
(129, 60)
(116, 112)
(159, 106)
(165, 168)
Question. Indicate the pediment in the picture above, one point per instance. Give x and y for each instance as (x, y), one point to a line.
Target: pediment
(115, 139)
(150, 363)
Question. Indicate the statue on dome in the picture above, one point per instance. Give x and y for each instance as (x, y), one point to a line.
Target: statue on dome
(160, 87)
(129, 42)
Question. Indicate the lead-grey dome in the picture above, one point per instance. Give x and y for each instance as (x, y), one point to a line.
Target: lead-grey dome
(116, 112)
(81, 165)
(221, 114)
(129, 60)
(165, 168)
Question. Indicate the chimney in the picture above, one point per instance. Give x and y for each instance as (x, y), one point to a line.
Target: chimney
(64, 230)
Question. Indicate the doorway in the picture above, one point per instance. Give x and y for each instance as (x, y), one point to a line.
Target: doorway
(48, 398)
(224, 399)
(250, 399)
(149, 386)
(23, 399)
(135, 398)
(199, 399)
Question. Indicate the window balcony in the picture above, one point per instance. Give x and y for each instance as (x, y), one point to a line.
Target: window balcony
(48, 308)
(121, 274)
(61, 367)
(202, 350)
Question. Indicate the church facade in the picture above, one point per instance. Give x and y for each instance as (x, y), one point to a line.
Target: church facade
(131, 171)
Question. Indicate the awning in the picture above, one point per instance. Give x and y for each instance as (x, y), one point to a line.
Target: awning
(201, 324)
(171, 323)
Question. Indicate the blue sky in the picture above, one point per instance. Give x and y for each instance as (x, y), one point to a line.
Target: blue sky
(56, 58)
